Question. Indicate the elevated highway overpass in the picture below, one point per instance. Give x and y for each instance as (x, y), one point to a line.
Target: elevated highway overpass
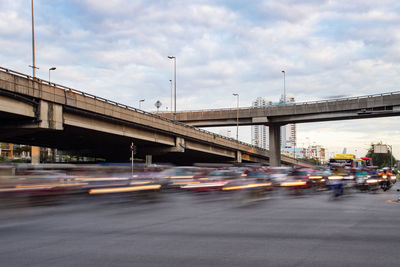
(362, 107)
(36, 112)
(274, 116)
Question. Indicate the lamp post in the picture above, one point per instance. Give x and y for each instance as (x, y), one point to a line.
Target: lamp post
(237, 116)
(391, 156)
(174, 58)
(284, 86)
(33, 44)
(52, 68)
(170, 86)
(140, 103)
(35, 150)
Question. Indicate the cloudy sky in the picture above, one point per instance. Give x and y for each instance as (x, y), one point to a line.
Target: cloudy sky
(118, 50)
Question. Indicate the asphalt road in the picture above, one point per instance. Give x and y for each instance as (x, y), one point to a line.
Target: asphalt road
(205, 230)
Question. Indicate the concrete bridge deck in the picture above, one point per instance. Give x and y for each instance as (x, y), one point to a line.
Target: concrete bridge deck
(36, 112)
(274, 116)
(360, 107)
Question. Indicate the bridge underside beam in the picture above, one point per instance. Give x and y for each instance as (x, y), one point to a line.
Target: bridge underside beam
(16, 107)
(345, 115)
(120, 129)
(298, 118)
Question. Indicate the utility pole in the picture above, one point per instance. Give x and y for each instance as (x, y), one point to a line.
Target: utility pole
(35, 150)
(33, 45)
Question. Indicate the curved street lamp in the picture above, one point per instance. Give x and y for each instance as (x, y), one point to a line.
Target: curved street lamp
(140, 103)
(174, 58)
(52, 68)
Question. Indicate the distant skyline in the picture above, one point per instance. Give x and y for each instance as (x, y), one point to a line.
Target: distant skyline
(118, 50)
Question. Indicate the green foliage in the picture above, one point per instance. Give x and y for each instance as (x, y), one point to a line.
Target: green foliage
(20, 149)
(379, 159)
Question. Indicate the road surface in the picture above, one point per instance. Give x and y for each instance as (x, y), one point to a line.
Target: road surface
(360, 229)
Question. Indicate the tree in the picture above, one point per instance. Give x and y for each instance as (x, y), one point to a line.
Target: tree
(379, 159)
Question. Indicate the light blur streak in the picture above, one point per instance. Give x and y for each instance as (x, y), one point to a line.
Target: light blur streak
(246, 186)
(49, 185)
(205, 185)
(180, 177)
(124, 189)
(93, 179)
(335, 178)
(139, 183)
(185, 183)
(293, 183)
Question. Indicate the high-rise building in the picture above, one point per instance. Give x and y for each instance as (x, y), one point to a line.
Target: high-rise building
(260, 134)
(288, 132)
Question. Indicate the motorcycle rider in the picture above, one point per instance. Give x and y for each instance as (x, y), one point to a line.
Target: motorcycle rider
(386, 183)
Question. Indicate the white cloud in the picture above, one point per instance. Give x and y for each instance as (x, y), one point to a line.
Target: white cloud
(118, 49)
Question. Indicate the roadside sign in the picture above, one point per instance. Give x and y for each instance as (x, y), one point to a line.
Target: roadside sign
(380, 149)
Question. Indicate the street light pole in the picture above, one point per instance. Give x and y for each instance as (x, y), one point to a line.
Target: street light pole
(174, 58)
(140, 103)
(391, 157)
(284, 86)
(170, 86)
(52, 68)
(35, 150)
(33, 45)
(237, 116)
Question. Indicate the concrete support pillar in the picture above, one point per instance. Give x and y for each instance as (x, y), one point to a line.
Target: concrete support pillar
(35, 155)
(275, 145)
(11, 147)
(179, 145)
(51, 116)
(149, 160)
(238, 156)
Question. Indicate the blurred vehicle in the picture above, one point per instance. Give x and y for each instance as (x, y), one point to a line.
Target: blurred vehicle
(335, 183)
(342, 161)
(178, 177)
(278, 174)
(252, 185)
(215, 180)
(319, 178)
(385, 175)
(297, 181)
(367, 181)
(40, 185)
